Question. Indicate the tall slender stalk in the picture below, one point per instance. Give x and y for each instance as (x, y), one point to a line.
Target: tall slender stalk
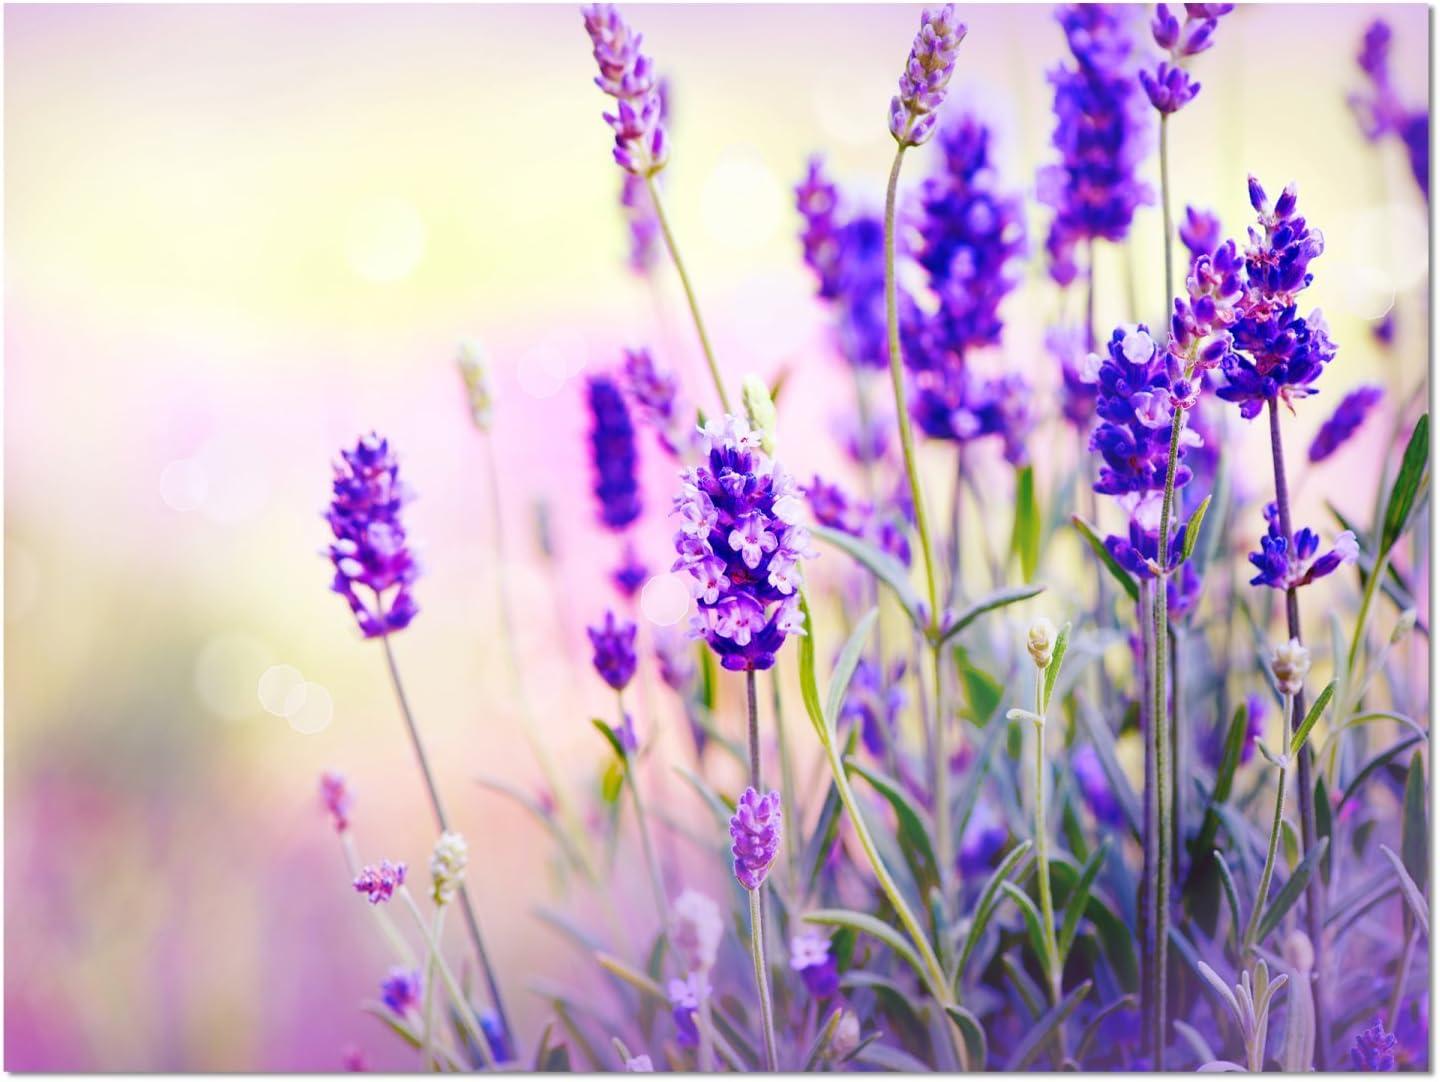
(1149, 832)
(1315, 893)
(758, 953)
(462, 1005)
(1262, 892)
(690, 299)
(1042, 847)
(472, 922)
(427, 1051)
(642, 824)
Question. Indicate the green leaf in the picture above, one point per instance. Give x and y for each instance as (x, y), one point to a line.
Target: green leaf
(1057, 658)
(985, 907)
(1034, 923)
(887, 1058)
(1079, 896)
(1376, 762)
(821, 1044)
(1123, 577)
(974, 1034)
(1192, 529)
(871, 926)
(1125, 1002)
(999, 599)
(1414, 832)
(882, 565)
(610, 738)
(1414, 897)
(845, 668)
(1317, 708)
(1040, 1033)
(1025, 535)
(708, 683)
(1407, 485)
(809, 689)
(1232, 899)
(612, 781)
(914, 823)
(983, 694)
(1324, 825)
(1291, 891)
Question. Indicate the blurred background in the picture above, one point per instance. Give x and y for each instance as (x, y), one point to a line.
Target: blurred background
(238, 237)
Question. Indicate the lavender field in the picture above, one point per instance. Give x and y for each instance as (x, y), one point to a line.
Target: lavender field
(870, 539)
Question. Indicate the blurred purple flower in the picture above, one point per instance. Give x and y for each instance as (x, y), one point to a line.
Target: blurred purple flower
(378, 882)
(1349, 415)
(1199, 232)
(1169, 87)
(613, 641)
(336, 798)
(984, 836)
(1374, 1049)
(1289, 563)
(613, 455)
(1095, 786)
(685, 996)
(755, 836)
(402, 990)
(1380, 112)
(656, 393)
(631, 574)
(875, 702)
(810, 957)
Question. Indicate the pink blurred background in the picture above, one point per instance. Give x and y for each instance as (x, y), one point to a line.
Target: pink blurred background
(239, 236)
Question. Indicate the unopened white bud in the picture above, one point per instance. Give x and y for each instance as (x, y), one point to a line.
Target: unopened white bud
(846, 1037)
(475, 370)
(760, 409)
(447, 867)
(697, 928)
(1290, 661)
(1404, 625)
(1040, 641)
(1299, 952)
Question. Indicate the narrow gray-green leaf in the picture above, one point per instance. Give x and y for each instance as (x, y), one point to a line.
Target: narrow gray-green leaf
(1407, 485)
(1408, 888)
(845, 668)
(1039, 1034)
(1057, 658)
(1034, 923)
(1025, 535)
(1414, 830)
(1316, 710)
(985, 907)
(1291, 891)
(999, 599)
(974, 1033)
(882, 565)
(1192, 529)
(1079, 896)
(871, 926)
(1123, 577)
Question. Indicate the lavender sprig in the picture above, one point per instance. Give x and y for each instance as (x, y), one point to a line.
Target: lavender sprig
(926, 76)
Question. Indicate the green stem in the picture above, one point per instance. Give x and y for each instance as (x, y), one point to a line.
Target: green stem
(1042, 847)
(944, 841)
(689, 291)
(1169, 224)
(642, 824)
(462, 1005)
(1262, 892)
(762, 979)
(427, 1052)
(1362, 619)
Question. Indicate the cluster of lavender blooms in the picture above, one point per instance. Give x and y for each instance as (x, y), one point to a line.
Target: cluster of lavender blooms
(1169, 86)
(887, 527)
(741, 542)
(656, 394)
(1380, 111)
(614, 459)
(628, 76)
(755, 836)
(927, 74)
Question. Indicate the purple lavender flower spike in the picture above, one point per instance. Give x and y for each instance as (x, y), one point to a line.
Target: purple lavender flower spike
(402, 990)
(631, 574)
(336, 798)
(370, 548)
(927, 75)
(810, 957)
(656, 392)
(1199, 232)
(1095, 787)
(378, 882)
(685, 996)
(1169, 87)
(818, 201)
(984, 836)
(628, 76)
(613, 454)
(1288, 563)
(876, 702)
(638, 209)
(1374, 1049)
(1379, 110)
(613, 641)
(1349, 415)
(755, 836)
(741, 545)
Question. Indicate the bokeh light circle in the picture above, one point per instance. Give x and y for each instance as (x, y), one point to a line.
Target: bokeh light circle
(309, 708)
(665, 600)
(225, 672)
(276, 684)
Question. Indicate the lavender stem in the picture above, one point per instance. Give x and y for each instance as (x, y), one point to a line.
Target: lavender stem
(1262, 892)
(462, 1005)
(652, 864)
(757, 899)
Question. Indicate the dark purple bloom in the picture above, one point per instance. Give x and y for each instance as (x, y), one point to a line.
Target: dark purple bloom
(685, 996)
(336, 798)
(755, 836)
(1200, 232)
(926, 75)
(1079, 371)
(1169, 88)
(1095, 787)
(631, 574)
(628, 76)
(613, 641)
(625, 733)
(741, 545)
(1345, 421)
(378, 882)
(402, 990)
(1102, 131)
(495, 1037)
(1380, 111)
(1374, 1049)
(1285, 564)
(810, 957)
(1384, 329)
(656, 392)
(984, 836)
(613, 454)
(370, 549)
(876, 702)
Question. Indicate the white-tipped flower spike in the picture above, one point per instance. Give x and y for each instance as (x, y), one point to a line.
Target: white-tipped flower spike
(1040, 641)
(447, 867)
(846, 1037)
(697, 928)
(1404, 625)
(760, 409)
(1290, 661)
(475, 370)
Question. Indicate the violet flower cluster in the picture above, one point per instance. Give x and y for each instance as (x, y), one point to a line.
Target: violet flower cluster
(1380, 111)
(656, 393)
(1349, 415)
(927, 74)
(370, 551)
(628, 76)
(613, 642)
(1169, 86)
(402, 990)
(886, 527)
(740, 543)
(1288, 563)
(379, 881)
(638, 209)
(613, 456)
(1101, 131)
(755, 836)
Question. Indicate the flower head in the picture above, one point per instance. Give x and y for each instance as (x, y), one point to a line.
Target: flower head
(1349, 415)
(1379, 110)
(1040, 642)
(613, 640)
(447, 867)
(695, 930)
(336, 798)
(1169, 87)
(475, 371)
(378, 882)
(685, 998)
(755, 836)
(374, 568)
(740, 542)
(810, 957)
(984, 836)
(1289, 661)
(1374, 1048)
(926, 76)
(402, 990)
(638, 209)
(613, 454)
(656, 393)
(628, 76)
(1199, 232)
(1095, 786)
(1286, 563)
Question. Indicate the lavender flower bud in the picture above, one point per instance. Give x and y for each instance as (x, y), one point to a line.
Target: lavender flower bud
(370, 549)
(640, 1064)
(613, 455)
(628, 76)
(759, 410)
(1349, 415)
(402, 990)
(336, 798)
(447, 867)
(846, 1037)
(1299, 952)
(1374, 1049)
(614, 645)
(378, 882)
(927, 75)
(1404, 625)
(1290, 662)
(696, 928)
(810, 957)
(1040, 642)
(755, 836)
(475, 371)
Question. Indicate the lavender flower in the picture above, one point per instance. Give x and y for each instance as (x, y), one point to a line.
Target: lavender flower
(378, 882)
(1289, 563)
(876, 702)
(1379, 110)
(1349, 415)
(656, 393)
(685, 997)
(755, 836)
(613, 454)
(740, 544)
(638, 209)
(402, 990)
(926, 76)
(833, 508)
(1199, 232)
(370, 548)
(1102, 132)
(613, 641)
(810, 957)
(1169, 87)
(1374, 1049)
(628, 76)
(984, 836)
(696, 930)
(674, 655)
(818, 201)
(336, 798)
(631, 574)
(1095, 787)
